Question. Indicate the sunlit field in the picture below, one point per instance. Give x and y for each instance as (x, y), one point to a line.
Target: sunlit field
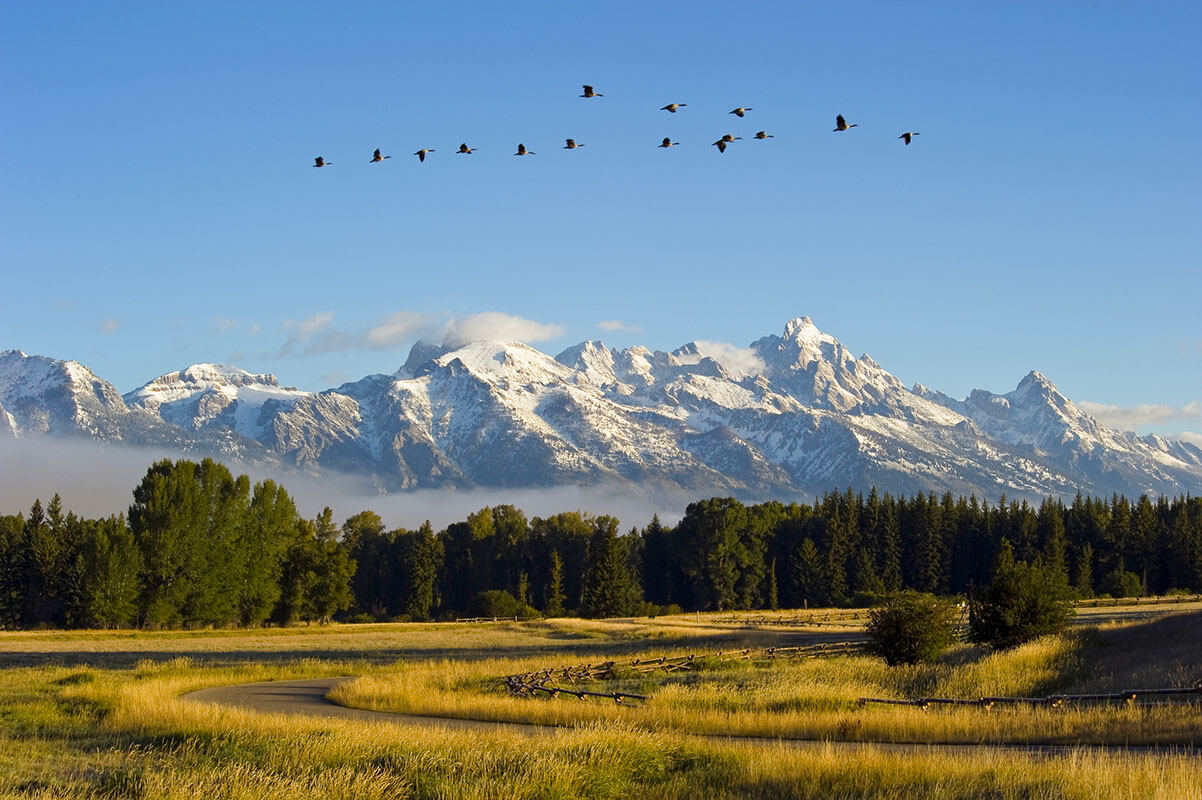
(102, 714)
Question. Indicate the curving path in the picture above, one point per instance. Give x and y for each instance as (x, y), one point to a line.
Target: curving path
(309, 697)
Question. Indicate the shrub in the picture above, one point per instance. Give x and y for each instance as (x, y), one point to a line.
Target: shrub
(912, 627)
(1024, 601)
(1121, 583)
(493, 603)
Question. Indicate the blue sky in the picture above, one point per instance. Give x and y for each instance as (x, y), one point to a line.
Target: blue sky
(159, 207)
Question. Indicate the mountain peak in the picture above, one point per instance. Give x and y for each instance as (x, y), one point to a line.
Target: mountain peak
(420, 355)
(798, 325)
(224, 374)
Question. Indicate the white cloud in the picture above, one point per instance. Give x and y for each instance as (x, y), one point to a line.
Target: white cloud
(739, 361)
(313, 324)
(617, 325)
(110, 326)
(1188, 436)
(222, 325)
(399, 328)
(315, 334)
(1133, 417)
(497, 326)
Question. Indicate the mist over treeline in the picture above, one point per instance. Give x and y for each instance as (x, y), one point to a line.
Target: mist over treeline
(200, 546)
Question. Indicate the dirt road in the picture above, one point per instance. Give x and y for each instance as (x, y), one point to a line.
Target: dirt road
(309, 697)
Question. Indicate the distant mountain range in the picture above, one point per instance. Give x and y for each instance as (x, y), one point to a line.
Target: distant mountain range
(798, 415)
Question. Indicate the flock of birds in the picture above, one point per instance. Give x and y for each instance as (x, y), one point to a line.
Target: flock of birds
(841, 125)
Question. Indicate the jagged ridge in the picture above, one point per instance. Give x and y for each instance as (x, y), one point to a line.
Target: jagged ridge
(793, 414)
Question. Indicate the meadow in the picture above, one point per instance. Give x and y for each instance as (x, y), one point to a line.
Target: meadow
(100, 714)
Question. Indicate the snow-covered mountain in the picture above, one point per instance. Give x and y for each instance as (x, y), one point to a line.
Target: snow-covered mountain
(42, 396)
(792, 415)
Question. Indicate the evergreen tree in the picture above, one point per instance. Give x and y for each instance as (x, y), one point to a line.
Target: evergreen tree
(664, 581)
(809, 583)
(609, 590)
(1146, 543)
(891, 549)
(566, 535)
(555, 596)
(1022, 601)
(419, 557)
(1083, 576)
(13, 556)
(773, 594)
(42, 556)
(1053, 546)
(709, 537)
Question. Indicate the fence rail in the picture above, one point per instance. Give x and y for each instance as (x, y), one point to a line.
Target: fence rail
(1110, 602)
(802, 619)
(529, 683)
(1052, 700)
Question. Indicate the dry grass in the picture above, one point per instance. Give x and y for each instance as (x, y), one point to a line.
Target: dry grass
(154, 745)
(117, 728)
(817, 698)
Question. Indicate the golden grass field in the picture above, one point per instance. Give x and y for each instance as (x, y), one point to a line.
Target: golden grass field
(99, 714)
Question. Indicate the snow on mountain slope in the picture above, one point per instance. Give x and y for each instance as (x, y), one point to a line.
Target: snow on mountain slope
(215, 395)
(47, 396)
(44, 395)
(791, 414)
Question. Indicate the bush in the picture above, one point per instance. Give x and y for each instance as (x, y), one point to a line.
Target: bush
(1121, 583)
(493, 603)
(912, 627)
(1024, 602)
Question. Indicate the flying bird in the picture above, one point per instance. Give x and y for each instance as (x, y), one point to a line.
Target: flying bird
(763, 135)
(377, 157)
(667, 142)
(740, 111)
(908, 135)
(321, 162)
(570, 145)
(463, 148)
(725, 140)
(421, 154)
(841, 124)
(671, 107)
(588, 92)
(522, 151)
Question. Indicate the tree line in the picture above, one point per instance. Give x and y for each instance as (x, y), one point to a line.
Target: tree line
(200, 546)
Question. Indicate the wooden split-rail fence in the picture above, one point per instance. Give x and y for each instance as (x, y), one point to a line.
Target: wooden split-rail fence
(540, 681)
(804, 619)
(1168, 599)
(1050, 701)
